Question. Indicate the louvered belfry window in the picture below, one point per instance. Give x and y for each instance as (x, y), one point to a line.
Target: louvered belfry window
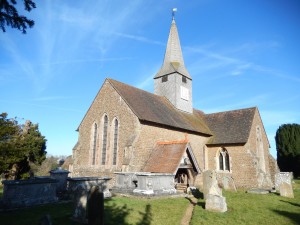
(104, 140)
(116, 132)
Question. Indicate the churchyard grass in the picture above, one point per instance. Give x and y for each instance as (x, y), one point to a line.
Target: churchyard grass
(118, 210)
(246, 208)
(243, 208)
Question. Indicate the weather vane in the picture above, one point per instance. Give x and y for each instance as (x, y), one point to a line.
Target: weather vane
(173, 12)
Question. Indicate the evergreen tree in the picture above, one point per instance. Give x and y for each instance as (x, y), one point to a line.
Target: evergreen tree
(20, 145)
(9, 15)
(288, 148)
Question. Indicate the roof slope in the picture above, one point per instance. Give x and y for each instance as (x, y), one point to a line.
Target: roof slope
(157, 109)
(165, 158)
(230, 127)
(173, 61)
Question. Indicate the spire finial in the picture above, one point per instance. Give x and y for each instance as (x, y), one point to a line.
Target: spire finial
(173, 13)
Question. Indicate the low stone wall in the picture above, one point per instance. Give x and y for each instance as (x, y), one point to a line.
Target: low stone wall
(23, 193)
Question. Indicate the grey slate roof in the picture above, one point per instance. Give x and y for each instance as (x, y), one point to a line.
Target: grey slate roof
(230, 127)
(157, 109)
(173, 61)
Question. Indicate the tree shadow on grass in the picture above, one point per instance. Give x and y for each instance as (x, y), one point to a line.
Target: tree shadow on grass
(292, 203)
(295, 217)
(117, 215)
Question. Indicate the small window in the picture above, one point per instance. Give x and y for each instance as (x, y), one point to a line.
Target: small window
(164, 79)
(183, 79)
(224, 160)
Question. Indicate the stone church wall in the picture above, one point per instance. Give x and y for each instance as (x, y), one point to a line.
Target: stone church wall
(150, 135)
(241, 165)
(108, 102)
(249, 163)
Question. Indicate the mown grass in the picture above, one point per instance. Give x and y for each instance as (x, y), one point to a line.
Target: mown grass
(243, 208)
(118, 210)
(246, 208)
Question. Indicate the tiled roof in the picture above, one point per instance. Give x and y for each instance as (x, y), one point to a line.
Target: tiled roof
(230, 127)
(157, 109)
(165, 158)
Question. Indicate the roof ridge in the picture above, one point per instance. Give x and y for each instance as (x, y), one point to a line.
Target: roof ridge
(234, 110)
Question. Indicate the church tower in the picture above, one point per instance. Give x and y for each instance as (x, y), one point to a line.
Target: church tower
(173, 80)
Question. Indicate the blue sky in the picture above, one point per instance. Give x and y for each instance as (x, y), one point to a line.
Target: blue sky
(239, 53)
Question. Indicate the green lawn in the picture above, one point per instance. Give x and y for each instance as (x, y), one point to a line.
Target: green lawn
(246, 208)
(242, 209)
(119, 210)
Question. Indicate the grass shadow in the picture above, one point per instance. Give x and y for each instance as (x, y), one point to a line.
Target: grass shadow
(114, 214)
(295, 217)
(292, 203)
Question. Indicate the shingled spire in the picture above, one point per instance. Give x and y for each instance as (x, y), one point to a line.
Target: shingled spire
(173, 61)
(173, 80)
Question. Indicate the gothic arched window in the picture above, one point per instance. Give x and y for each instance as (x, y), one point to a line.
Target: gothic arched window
(115, 149)
(94, 145)
(224, 160)
(104, 139)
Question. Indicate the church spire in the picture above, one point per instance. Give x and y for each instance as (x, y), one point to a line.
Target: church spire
(173, 81)
(173, 61)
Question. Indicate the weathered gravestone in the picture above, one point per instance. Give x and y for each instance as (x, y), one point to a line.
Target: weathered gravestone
(79, 188)
(214, 201)
(283, 177)
(95, 207)
(286, 190)
(210, 183)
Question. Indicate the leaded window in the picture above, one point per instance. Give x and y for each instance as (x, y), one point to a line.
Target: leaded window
(115, 150)
(224, 160)
(104, 140)
(94, 145)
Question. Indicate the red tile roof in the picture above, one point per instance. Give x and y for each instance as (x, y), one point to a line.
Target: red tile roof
(165, 158)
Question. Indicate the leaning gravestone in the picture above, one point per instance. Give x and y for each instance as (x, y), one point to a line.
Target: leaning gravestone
(286, 190)
(95, 207)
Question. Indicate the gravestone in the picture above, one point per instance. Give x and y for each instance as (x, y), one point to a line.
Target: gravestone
(215, 203)
(210, 183)
(95, 207)
(80, 201)
(283, 177)
(286, 190)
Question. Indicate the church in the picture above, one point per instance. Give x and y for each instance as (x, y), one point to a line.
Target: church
(127, 129)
